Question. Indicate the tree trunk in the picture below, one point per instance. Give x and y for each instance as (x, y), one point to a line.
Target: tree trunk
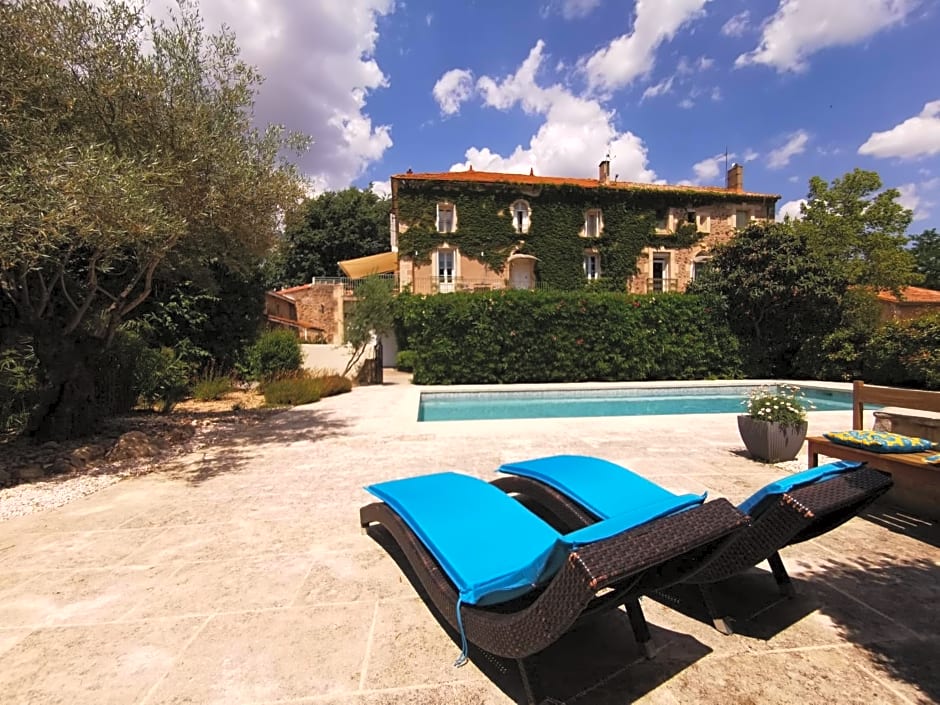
(66, 407)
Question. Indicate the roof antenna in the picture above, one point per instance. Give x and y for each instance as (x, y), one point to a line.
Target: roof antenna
(726, 159)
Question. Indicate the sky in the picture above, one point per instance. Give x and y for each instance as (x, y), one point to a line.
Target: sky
(789, 88)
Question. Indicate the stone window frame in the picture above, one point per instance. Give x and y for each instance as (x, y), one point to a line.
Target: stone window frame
(525, 208)
(446, 206)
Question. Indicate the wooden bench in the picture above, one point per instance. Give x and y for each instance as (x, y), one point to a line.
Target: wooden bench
(916, 484)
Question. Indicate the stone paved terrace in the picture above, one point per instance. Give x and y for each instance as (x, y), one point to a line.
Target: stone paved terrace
(241, 576)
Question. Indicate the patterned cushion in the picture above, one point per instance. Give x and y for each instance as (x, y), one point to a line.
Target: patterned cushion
(879, 441)
(932, 459)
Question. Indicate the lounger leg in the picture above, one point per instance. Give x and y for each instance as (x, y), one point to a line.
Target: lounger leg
(781, 575)
(641, 629)
(719, 622)
(529, 682)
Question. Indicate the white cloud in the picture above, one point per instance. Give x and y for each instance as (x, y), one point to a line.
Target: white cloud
(918, 136)
(382, 189)
(319, 68)
(573, 9)
(798, 29)
(428, 19)
(704, 63)
(781, 156)
(750, 155)
(791, 209)
(686, 103)
(737, 25)
(575, 136)
(661, 88)
(630, 56)
(793, 179)
(453, 89)
(716, 94)
(912, 197)
(709, 169)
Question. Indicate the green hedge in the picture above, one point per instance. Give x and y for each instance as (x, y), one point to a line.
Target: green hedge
(552, 336)
(905, 354)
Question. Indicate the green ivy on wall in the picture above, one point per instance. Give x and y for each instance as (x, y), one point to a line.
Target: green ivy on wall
(485, 229)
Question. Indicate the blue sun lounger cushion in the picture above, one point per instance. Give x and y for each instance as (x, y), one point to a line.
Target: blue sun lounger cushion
(797, 480)
(491, 547)
(608, 489)
(603, 487)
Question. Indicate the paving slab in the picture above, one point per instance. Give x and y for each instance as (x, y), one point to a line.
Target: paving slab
(239, 575)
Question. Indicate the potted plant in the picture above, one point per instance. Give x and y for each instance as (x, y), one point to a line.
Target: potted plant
(774, 427)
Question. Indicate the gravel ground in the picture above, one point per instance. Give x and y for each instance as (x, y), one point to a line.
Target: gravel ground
(32, 497)
(58, 490)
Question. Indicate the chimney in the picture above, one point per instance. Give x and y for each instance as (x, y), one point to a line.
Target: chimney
(604, 171)
(735, 180)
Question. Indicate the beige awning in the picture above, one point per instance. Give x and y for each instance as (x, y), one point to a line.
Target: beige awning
(373, 264)
(519, 255)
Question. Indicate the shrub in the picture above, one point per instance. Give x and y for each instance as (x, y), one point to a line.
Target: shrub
(162, 378)
(274, 353)
(405, 361)
(905, 353)
(212, 387)
(552, 336)
(18, 386)
(291, 390)
(331, 385)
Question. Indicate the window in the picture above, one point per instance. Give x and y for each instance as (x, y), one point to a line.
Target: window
(662, 219)
(593, 223)
(699, 265)
(393, 231)
(446, 270)
(690, 217)
(660, 281)
(741, 219)
(520, 216)
(592, 265)
(446, 218)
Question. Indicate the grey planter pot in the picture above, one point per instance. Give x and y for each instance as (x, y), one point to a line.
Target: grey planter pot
(771, 442)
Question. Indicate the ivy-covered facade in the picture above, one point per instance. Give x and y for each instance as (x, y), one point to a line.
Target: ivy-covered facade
(473, 230)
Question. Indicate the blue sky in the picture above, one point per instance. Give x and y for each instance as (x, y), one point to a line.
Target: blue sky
(790, 88)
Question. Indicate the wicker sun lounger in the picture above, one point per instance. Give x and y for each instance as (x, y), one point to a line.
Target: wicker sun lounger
(602, 575)
(778, 520)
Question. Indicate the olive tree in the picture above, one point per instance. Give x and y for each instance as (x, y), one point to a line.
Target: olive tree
(127, 148)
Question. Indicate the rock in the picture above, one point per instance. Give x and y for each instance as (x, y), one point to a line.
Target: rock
(135, 444)
(85, 454)
(50, 445)
(32, 471)
(60, 465)
(5, 478)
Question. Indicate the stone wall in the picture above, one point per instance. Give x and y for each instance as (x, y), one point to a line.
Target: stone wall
(321, 305)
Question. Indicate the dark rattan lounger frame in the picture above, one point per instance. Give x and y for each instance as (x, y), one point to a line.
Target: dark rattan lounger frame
(777, 522)
(599, 576)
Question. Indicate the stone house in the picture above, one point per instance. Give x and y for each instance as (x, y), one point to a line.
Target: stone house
(472, 230)
(313, 311)
(913, 302)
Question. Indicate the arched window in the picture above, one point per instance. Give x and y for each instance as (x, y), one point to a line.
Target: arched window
(520, 216)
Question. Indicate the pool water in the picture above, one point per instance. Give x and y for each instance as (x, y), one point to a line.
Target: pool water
(465, 406)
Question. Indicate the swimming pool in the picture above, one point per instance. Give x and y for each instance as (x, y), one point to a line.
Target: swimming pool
(466, 406)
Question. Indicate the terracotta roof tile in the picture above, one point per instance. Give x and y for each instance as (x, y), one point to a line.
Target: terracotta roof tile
(529, 179)
(912, 295)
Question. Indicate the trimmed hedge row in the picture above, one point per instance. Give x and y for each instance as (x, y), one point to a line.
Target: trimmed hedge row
(554, 336)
